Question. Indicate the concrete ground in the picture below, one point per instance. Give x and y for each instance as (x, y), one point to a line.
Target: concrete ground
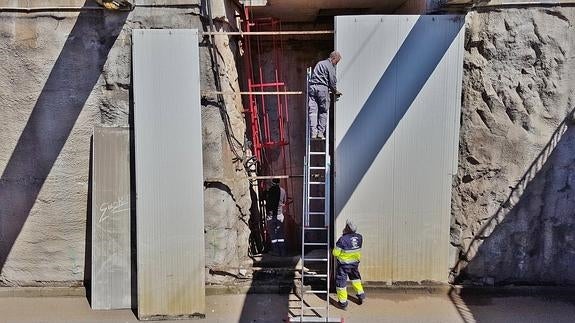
(380, 307)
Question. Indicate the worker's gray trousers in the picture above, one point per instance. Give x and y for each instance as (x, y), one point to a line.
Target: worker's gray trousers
(318, 107)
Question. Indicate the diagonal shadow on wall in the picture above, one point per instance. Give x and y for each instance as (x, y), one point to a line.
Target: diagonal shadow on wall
(528, 240)
(57, 108)
(380, 115)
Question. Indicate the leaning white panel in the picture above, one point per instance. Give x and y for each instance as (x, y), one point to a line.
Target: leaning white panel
(111, 262)
(396, 132)
(169, 180)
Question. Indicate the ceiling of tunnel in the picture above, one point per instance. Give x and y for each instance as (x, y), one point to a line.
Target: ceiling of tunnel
(319, 10)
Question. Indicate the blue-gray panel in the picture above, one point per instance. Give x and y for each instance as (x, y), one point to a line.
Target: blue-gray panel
(397, 130)
(169, 179)
(111, 265)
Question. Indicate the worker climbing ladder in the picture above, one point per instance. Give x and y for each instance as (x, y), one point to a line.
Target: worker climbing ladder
(316, 232)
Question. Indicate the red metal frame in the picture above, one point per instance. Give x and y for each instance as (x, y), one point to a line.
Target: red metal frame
(261, 105)
(265, 133)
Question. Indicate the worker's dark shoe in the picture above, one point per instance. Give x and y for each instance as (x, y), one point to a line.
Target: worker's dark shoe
(342, 305)
(361, 298)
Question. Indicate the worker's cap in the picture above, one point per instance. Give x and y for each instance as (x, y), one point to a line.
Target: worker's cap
(276, 180)
(352, 227)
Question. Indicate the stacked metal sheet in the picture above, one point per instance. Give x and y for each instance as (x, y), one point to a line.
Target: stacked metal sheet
(111, 261)
(169, 179)
(397, 131)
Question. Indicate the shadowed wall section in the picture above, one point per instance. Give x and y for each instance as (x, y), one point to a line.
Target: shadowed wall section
(54, 115)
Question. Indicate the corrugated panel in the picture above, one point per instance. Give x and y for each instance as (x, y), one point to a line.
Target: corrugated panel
(111, 219)
(397, 127)
(169, 180)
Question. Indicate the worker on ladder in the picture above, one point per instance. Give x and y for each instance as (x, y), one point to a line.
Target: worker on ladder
(275, 201)
(322, 81)
(347, 251)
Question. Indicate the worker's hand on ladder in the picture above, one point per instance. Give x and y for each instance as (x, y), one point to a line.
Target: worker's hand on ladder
(337, 94)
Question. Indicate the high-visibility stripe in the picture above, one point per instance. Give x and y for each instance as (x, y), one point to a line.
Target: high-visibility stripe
(341, 294)
(278, 240)
(349, 257)
(356, 284)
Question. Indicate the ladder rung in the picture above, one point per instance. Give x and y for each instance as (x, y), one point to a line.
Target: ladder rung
(315, 243)
(315, 213)
(316, 183)
(317, 152)
(315, 259)
(316, 276)
(317, 167)
(301, 318)
(315, 292)
(317, 197)
(314, 228)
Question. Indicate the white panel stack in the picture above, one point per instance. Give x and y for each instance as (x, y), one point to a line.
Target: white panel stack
(396, 132)
(169, 180)
(111, 266)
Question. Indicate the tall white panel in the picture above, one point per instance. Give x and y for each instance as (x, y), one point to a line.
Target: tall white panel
(396, 132)
(111, 261)
(169, 179)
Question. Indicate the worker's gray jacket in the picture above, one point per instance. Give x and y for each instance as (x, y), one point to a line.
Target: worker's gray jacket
(324, 74)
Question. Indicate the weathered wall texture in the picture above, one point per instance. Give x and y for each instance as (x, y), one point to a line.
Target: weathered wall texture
(63, 73)
(513, 222)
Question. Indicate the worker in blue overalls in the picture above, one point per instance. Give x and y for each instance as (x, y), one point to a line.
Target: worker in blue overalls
(347, 251)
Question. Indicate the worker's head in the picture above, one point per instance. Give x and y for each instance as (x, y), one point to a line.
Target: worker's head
(335, 57)
(276, 181)
(350, 227)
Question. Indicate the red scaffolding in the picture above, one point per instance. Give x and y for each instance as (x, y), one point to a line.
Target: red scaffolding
(267, 115)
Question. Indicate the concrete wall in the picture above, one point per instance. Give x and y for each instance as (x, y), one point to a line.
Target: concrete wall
(63, 73)
(513, 198)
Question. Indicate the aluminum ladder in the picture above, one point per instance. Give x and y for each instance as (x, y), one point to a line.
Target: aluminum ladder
(316, 227)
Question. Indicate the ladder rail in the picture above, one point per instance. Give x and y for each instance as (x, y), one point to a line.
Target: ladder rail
(305, 216)
(327, 213)
(312, 169)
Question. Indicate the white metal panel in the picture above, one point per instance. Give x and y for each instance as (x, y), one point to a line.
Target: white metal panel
(111, 263)
(169, 178)
(396, 132)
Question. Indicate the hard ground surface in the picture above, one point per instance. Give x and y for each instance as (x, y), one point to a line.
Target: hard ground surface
(380, 307)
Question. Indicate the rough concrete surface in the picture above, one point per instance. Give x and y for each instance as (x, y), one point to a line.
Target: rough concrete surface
(273, 308)
(513, 196)
(63, 73)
